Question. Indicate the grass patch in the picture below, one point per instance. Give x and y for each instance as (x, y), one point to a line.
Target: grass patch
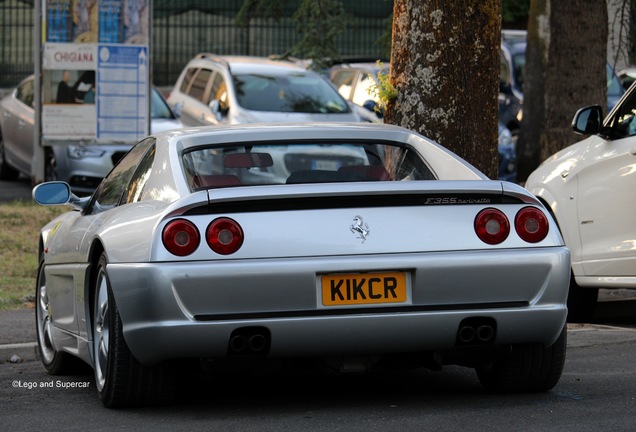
(20, 223)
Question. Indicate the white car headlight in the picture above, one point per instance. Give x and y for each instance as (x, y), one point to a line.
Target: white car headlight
(81, 152)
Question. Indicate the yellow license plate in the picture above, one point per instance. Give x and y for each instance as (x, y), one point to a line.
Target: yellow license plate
(363, 288)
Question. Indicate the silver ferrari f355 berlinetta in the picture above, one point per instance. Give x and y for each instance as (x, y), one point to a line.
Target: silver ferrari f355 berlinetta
(288, 241)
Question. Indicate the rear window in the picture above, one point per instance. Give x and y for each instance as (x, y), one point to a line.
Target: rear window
(293, 163)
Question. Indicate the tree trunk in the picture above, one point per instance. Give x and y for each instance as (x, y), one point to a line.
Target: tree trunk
(445, 68)
(566, 57)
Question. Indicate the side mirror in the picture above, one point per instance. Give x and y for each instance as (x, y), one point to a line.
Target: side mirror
(373, 106)
(370, 105)
(52, 193)
(588, 120)
(215, 107)
(176, 109)
(57, 193)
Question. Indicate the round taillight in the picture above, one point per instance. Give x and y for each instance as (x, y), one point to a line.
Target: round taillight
(224, 236)
(531, 224)
(492, 226)
(181, 237)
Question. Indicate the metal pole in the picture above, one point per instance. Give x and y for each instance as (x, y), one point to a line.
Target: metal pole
(37, 163)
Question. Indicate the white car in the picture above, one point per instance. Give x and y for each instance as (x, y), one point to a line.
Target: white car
(590, 188)
(356, 81)
(82, 166)
(215, 90)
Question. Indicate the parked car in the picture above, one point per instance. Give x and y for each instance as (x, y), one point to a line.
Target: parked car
(356, 81)
(507, 150)
(350, 245)
(512, 73)
(82, 166)
(512, 77)
(627, 77)
(214, 90)
(588, 187)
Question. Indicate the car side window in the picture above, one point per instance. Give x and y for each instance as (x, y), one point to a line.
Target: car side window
(197, 89)
(624, 123)
(344, 82)
(187, 79)
(110, 192)
(362, 90)
(24, 93)
(218, 91)
(140, 177)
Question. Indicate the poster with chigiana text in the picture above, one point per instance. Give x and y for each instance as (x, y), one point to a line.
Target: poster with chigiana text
(86, 97)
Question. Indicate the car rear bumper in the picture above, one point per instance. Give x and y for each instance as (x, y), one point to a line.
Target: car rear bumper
(191, 310)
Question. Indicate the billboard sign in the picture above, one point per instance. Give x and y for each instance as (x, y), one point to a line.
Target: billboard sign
(93, 72)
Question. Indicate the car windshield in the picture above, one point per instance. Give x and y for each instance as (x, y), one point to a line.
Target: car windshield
(298, 92)
(158, 106)
(288, 163)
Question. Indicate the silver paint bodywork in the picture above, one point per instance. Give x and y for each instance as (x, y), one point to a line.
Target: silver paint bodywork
(176, 307)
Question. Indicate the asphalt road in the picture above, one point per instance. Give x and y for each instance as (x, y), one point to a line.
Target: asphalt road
(597, 391)
(15, 190)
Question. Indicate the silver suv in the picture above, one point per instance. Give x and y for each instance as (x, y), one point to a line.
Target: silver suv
(232, 90)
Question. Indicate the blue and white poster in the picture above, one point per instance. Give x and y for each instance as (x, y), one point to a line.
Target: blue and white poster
(122, 93)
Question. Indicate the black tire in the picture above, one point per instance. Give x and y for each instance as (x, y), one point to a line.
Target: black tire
(54, 361)
(50, 165)
(581, 302)
(6, 172)
(120, 379)
(529, 368)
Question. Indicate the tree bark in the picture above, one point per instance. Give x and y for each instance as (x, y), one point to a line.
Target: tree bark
(566, 57)
(445, 68)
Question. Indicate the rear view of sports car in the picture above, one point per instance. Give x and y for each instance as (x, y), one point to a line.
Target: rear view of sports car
(354, 242)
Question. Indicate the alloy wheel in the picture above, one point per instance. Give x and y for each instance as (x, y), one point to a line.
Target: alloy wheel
(44, 324)
(101, 331)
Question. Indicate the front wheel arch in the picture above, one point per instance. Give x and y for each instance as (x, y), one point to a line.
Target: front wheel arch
(54, 360)
(97, 251)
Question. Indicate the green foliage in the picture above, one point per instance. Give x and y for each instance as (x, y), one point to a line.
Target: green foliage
(384, 91)
(320, 22)
(515, 10)
(261, 9)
